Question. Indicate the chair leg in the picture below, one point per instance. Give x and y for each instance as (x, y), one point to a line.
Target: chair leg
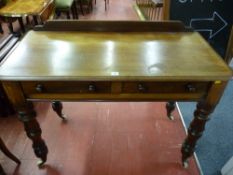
(4, 149)
(27, 20)
(90, 6)
(74, 11)
(21, 24)
(35, 20)
(81, 6)
(57, 107)
(10, 27)
(1, 30)
(2, 172)
(170, 106)
(105, 1)
(68, 15)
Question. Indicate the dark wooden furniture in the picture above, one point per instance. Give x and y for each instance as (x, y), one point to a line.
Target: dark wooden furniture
(93, 60)
(150, 9)
(5, 150)
(17, 9)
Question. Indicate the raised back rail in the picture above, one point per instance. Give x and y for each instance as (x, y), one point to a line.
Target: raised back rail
(112, 26)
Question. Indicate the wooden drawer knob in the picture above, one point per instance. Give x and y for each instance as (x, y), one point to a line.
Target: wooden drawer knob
(191, 88)
(91, 88)
(142, 87)
(39, 88)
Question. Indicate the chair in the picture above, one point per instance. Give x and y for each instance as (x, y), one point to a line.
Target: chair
(47, 14)
(106, 2)
(66, 6)
(4, 149)
(155, 12)
(229, 51)
(87, 3)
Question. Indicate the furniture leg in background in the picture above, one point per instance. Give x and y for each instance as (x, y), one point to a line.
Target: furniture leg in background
(27, 116)
(57, 107)
(170, 106)
(201, 116)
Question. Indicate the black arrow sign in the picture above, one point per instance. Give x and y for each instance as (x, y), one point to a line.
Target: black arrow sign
(213, 25)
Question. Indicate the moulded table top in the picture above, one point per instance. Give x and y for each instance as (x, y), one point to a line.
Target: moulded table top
(150, 56)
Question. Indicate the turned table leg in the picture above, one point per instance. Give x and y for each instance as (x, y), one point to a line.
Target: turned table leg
(33, 131)
(170, 106)
(28, 116)
(201, 116)
(57, 107)
(195, 131)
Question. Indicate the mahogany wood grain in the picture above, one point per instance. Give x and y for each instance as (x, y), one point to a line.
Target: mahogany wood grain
(123, 64)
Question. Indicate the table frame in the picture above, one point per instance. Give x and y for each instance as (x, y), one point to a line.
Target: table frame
(206, 102)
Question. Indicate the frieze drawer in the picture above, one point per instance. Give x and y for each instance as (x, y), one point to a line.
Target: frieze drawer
(65, 87)
(165, 87)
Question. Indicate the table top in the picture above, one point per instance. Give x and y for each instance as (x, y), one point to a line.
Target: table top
(18, 8)
(140, 56)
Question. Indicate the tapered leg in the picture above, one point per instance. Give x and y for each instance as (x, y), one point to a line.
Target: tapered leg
(201, 116)
(81, 6)
(35, 20)
(195, 131)
(74, 11)
(57, 107)
(2, 172)
(68, 15)
(27, 20)
(33, 131)
(10, 26)
(1, 30)
(105, 4)
(21, 24)
(170, 106)
(7, 152)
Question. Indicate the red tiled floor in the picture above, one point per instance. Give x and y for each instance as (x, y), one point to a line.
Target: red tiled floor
(116, 10)
(101, 138)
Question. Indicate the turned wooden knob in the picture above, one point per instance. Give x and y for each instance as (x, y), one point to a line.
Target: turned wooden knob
(91, 88)
(141, 87)
(39, 88)
(191, 88)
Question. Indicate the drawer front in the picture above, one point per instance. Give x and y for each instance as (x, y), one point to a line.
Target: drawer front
(164, 87)
(65, 87)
